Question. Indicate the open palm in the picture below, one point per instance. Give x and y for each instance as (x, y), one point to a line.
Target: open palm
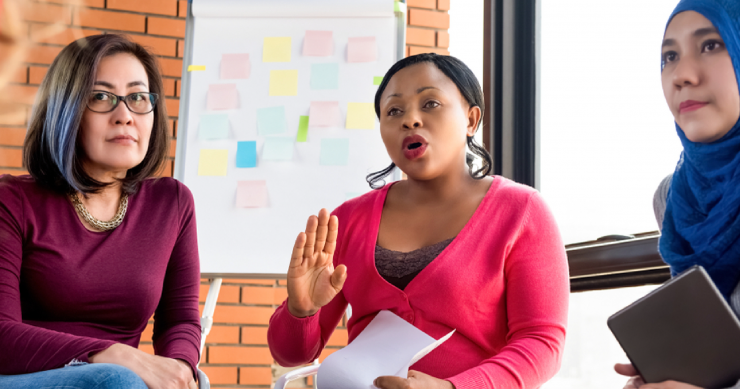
(312, 279)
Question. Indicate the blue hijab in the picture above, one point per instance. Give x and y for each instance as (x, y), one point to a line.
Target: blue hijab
(702, 217)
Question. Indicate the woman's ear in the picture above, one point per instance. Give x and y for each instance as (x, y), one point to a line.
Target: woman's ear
(473, 120)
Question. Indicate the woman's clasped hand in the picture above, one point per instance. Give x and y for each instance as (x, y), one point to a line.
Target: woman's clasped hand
(156, 371)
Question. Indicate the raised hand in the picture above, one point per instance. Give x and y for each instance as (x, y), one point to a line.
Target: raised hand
(312, 279)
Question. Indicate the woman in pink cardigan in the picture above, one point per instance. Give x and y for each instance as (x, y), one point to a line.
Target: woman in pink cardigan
(449, 248)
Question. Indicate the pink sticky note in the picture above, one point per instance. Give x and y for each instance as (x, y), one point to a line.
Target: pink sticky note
(235, 66)
(362, 49)
(251, 194)
(318, 44)
(222, 96)
(324, 114)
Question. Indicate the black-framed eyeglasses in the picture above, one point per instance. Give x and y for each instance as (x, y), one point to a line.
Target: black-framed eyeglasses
(139, 102)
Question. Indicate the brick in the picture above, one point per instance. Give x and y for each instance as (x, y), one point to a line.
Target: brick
(171, 67)
(84, 3)
(254, 335)
(158, 46)
(182, 8)
(110, 20)
(173, 127)
(223, 334)
(227, 293)
(13, 172)
(147, 348)
(420, 36)
(443, 39)
(180, 48)
(12, 136)
(280, 295)
(338, 338)
(166, 169)
(220, 375)
(42, 54)
(431, 4)
(20, 76)
(173, 147)
(63, 37)
(164, 26)
(177, 88)
(160, 7)
(413, 50)
(424, 18)
(245, 355)
(146, 336)
(13, 114)
(248, 281)
(173, 107)
(443, 5)
(169, 87)
(326, 352)
(36, 74)
(24, 94)
(47, 13)
(242, 314)
(255, 375)
(283, 282)
(258, 295)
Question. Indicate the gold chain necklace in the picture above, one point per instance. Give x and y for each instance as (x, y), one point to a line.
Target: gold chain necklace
(99, 224)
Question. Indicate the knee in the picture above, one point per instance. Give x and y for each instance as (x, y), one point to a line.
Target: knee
(110, 376)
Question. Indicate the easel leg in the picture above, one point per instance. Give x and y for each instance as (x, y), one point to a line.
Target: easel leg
(206, 322)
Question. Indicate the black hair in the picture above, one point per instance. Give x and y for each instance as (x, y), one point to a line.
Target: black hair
(470, 89)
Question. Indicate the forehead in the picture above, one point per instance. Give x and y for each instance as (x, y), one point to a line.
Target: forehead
(122, 66)
(407, 80)
(683, 25)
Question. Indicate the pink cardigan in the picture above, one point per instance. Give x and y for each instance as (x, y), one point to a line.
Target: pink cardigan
(502, 283)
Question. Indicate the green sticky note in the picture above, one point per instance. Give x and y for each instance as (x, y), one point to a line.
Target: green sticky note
(213, 127)
(278, 149)
(377, 80)
(213, 162)
(283, 82)
(360, 116)
(334, 152)
(396, 7)
(325, 76)
(276, 49)
(271, 121)
(302, 129)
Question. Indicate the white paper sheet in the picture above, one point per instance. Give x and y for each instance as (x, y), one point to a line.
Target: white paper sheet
(386, 347)
(293, 8)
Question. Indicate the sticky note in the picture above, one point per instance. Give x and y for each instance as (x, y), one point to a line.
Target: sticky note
(325, 76)
(362, 49)
(196, 68)
(222, 96)
(271, 121)
(324, 114)
(334, 152)
(276, 49)
(360, 116)
(377, 80)
(251, 194)
(278, 149)
(302, 129)
(213, 127)
(213, 162)
(235, 66)
(246, 154)
(283, 82)
(318, 44)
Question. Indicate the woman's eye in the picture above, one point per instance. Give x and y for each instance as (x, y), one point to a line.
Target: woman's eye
(431, 104)
(100, 96)
(137, 97)
(711, 45)
(393, 111)
(669, 56)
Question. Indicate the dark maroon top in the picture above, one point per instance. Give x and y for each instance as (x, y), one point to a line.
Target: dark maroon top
(67, 292)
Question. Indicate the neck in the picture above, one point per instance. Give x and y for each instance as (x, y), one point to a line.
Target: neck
(444, 188)
(104, 204)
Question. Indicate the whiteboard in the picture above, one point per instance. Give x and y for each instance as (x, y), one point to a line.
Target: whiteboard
(258, 241)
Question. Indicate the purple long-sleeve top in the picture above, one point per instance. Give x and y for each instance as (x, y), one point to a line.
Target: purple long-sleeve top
(67, 292)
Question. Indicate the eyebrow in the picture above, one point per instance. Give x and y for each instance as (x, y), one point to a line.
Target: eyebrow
(698, 34)
(129, 85)
(422, 89)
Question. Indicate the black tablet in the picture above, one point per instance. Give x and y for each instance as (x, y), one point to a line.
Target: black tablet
(683, 331)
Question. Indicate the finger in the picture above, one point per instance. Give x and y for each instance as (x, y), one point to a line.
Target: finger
(296, 259)
(338, 277)
(331, 238)
(311, 225)
(192, 385)
(390, 382)
(625, 369)
(322, 231)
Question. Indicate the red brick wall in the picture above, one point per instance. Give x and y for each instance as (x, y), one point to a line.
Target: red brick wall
(236, 354)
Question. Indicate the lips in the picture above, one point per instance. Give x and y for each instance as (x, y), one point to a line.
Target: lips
(123, 139)
(414, 146)
(690, 105)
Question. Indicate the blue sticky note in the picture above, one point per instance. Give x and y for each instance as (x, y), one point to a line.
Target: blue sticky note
(213, 127)
(271, 121)
(246, 154)
(325, 76)
(334, 152)
(278, 149)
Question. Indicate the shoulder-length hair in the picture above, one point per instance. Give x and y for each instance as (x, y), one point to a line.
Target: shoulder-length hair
(52, 153)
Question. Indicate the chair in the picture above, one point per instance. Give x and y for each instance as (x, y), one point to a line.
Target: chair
(203, 382)
(296, 374)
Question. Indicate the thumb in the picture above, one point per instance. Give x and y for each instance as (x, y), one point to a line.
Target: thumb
(338, 277)
(625, 369)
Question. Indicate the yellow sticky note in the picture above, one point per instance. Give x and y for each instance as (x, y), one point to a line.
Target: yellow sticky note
(283, 82)
(213, 162)
(360, 116)
(193, 68)
(276, 49)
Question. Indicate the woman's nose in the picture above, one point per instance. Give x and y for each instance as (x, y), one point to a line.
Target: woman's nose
(412, 120)
(687, 72)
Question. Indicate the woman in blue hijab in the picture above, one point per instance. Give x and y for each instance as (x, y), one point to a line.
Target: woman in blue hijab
(700, 65)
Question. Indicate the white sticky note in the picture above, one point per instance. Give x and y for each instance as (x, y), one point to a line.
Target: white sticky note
(251, 194)
(362, 49)
(318, 43)
(278, 149)
(222, 96)
(324, 114)
(235, 66)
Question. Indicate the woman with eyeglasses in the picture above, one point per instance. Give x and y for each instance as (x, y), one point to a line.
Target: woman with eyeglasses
(90, 245)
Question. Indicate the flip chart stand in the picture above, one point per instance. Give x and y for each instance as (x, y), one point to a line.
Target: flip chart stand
(206, 322)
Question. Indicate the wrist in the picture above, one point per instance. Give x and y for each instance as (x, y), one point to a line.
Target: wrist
(298, 313)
